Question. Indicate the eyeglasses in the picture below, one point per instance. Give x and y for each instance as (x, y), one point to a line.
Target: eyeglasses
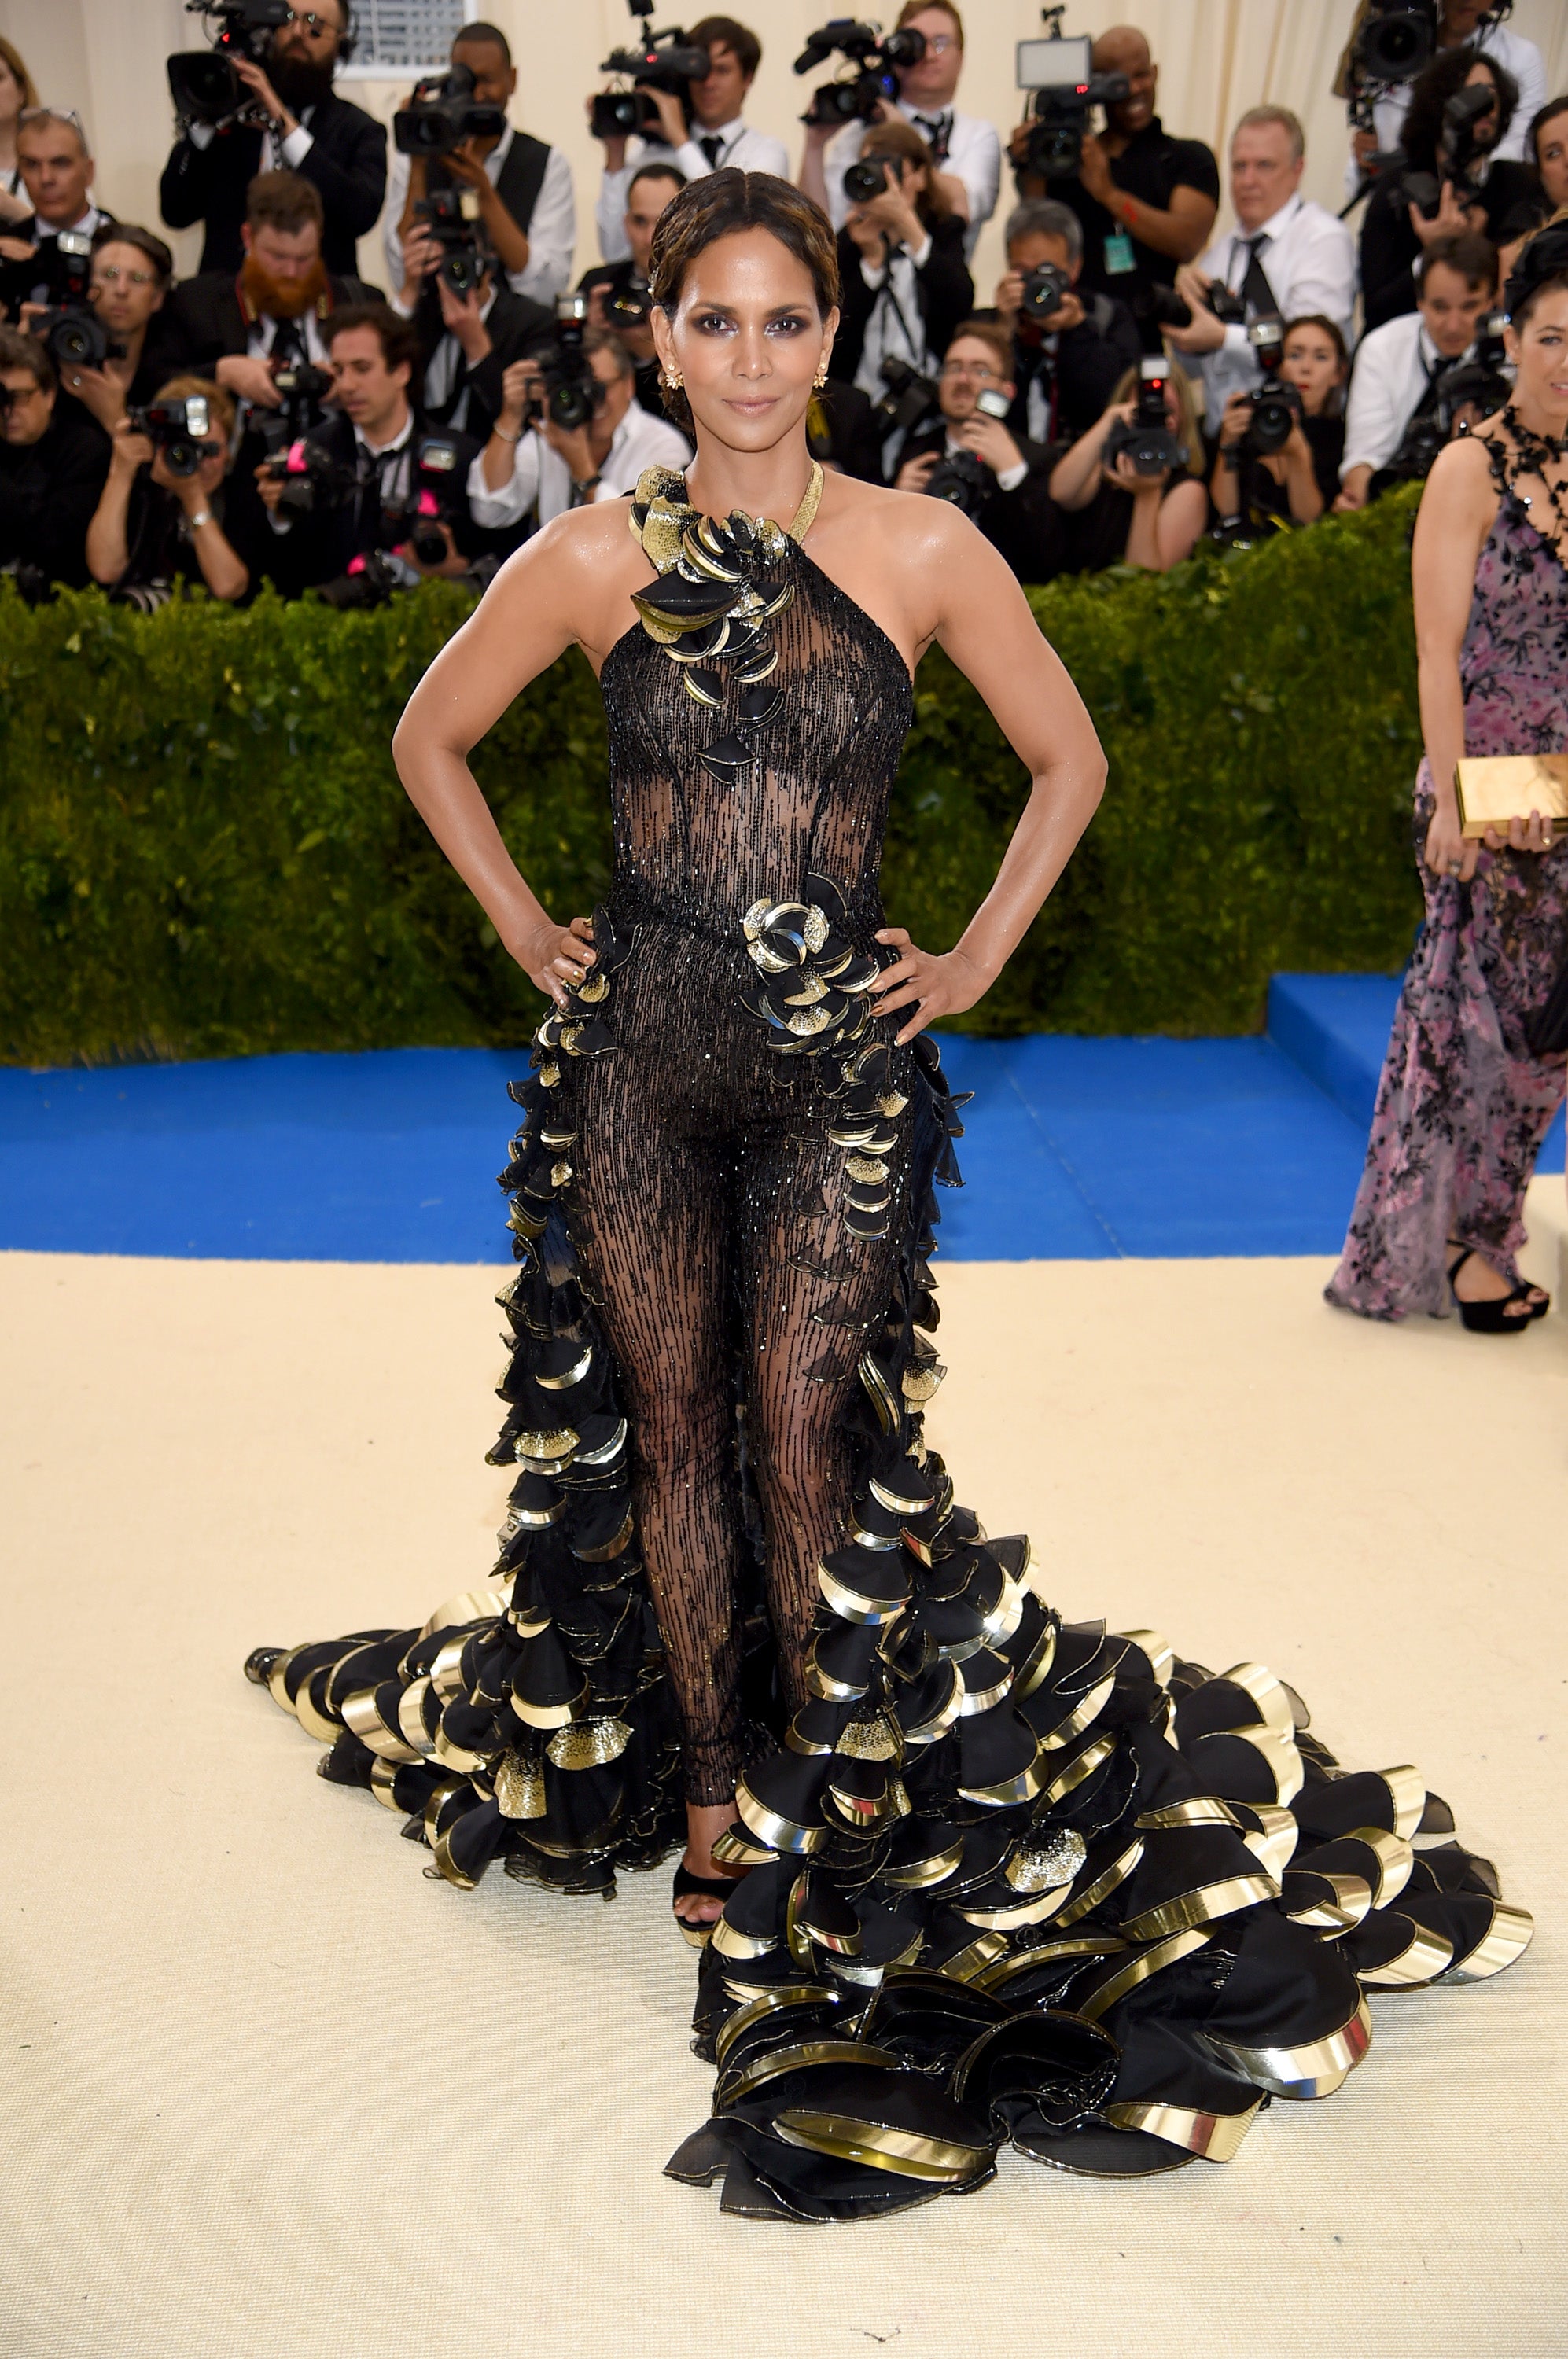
(31, 114)
(309, 21)
(939, 44)
(981, 369)
(111, 275)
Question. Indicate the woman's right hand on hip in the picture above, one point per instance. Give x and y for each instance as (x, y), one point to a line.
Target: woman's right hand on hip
(557, 958)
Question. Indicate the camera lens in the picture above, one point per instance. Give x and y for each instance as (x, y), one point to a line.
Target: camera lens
(864, 181)
(1044, 290)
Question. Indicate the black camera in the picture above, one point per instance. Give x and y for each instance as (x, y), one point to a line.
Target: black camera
(1228, 307)
(876, 59)
(452, 217)
(628, 305)
(573, 395)
(442, 114)
(962, 480)
(179, 428)
(1061, 75)
(310, 475)
(1045, 290)
(1396, 42)
(1478, 383)
(864, 181)
(910, 397)
(1276, 406)
(203, 83)
(68, 327)
(1463, 150)
(666, 62)
(1147, 438)
(419, 518)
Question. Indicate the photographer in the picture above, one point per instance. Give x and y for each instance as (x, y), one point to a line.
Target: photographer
(527, 209)
(904, 284)
(56, 167)
(53, 459)
(1126, 516)
(1258, 482)
(469, 334)
(1452, 149)
(1068, 355)
(969, 456)
(367, 491)
(1457, 24)
(1547, 148)
(241, 330)
(131, 272)
(339, 148)
(618, 293)
(965, 149)
(704, 134)
(159, 521)
(1285, 258)
(1146, 201)
(534, 469)
(1401, 367)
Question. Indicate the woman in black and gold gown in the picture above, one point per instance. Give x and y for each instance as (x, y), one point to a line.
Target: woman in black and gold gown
(1003, 1879)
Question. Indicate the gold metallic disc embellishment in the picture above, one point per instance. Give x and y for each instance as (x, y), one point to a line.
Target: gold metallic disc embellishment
(1204, 1906)
(901, 2152)
(1314, 2069)
(1507, 1937)
(749, 2078)
(1103, 1996)
(1216, 2136)
(589, 1744)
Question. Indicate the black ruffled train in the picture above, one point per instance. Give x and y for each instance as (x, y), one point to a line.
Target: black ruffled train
(1011, 1880)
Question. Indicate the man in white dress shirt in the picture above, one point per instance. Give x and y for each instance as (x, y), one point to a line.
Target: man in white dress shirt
(527, 209)
(718, 138)
(1458, 21)
(1285, 257)
(540, 471)
(1399, 367)
(967, 151)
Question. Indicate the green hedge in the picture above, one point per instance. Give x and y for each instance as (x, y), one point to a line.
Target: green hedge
(204, 849)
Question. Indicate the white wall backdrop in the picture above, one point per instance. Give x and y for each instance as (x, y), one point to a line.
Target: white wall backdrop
(1217, 57)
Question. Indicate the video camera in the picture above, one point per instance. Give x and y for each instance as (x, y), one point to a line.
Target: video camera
(1461, 120)
(451, 216)
(179, 428)
(68, 327)
(203, 83)
(666, 62)
(1147, 438)
(1394, 42)
(442, 114)
(1060, 73)
(875, 59)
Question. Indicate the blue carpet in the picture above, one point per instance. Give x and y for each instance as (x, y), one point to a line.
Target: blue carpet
(1081, 1149)
(1335, 1027)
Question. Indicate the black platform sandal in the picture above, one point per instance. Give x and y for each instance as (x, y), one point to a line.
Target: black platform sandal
(1498, 1317)
(711, 1887)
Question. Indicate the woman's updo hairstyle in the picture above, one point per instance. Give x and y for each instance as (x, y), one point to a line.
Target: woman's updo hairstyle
(1542, 261)
(726, 204)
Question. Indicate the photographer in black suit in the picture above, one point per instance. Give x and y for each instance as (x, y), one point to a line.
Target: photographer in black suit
(240, 327)
(53, 461)
(468, 338)
(1067, 358)
(339, 148)
(971, 456)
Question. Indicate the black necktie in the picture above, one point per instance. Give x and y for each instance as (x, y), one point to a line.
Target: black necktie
(712, 149)
(1256, 290)
(288, 342)
(934, 130)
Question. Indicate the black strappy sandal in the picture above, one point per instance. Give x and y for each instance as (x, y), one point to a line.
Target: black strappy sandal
(1498, 1316)
(710, 1887)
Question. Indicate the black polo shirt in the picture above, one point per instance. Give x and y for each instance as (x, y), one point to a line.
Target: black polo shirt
(1150, 167)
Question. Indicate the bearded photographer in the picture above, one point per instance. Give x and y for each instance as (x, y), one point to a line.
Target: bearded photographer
(1460, 109)
(367, 493)
(970, 456)
(1146, 200)
(1296, 481)
(1460, 24)
(279, 309)
(965, 148)
(706, 134)
(527, 208)
(1068, 349)
(53, 461)
(1285, 258)
(1122, 514)
(533, 469)
(160, 523)
(469, 336)
(57, 168)
(339, 148)
(904, 284)
(1402, 368)
(618, 292)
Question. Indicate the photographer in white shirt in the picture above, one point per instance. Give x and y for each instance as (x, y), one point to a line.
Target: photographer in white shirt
(534, 467)
(967, 150)
(1282, 246)
(717, 140)
(1399, 366)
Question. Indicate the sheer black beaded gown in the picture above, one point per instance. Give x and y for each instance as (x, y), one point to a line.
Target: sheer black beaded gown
(1012, 1880)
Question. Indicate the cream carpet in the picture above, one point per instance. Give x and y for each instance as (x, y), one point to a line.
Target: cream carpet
(270, 2090)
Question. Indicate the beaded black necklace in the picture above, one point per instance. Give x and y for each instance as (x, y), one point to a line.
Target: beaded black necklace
(1531, 454)
(719, 588)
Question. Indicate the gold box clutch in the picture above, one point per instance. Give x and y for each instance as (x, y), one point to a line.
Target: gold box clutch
(1497, 787)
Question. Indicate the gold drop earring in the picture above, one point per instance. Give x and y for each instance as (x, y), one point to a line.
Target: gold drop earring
(672, 380)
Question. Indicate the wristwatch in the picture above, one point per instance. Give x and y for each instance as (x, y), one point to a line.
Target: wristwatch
(201, 517)
(579, 491)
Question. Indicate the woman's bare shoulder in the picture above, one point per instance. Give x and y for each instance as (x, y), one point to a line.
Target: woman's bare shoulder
(907, 528)
(585, 564)
(1464, 470)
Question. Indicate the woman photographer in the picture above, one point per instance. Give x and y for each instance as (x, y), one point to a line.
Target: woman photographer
(900, 261)
(1299, 481)
(155, 528)
(1393, 230)
(1547, 146)
(1123, 517)
(1469, 1085)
